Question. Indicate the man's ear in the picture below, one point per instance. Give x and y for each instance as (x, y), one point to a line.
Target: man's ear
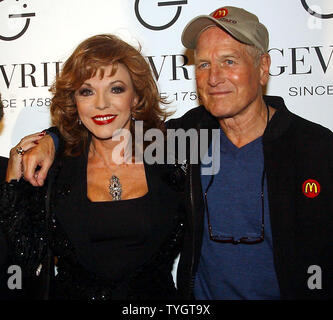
(265, 63)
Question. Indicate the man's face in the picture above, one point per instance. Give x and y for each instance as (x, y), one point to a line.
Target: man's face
(228, 79)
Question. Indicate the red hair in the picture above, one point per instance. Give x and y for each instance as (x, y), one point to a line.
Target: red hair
(93, 55)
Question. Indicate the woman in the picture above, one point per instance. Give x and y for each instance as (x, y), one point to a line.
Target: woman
(109, 223)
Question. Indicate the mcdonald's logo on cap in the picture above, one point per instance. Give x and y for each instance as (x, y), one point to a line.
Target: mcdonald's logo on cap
(311, 188)
(219, 13)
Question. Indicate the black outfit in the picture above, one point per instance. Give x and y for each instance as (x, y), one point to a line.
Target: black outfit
(105, 250)
(295, 150)
(4, 293)
(3, 168)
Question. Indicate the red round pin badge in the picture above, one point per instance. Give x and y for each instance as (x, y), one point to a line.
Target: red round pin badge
(219, 13)
(311, 188)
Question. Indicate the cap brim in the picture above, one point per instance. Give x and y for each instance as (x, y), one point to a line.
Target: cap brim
(197, 25)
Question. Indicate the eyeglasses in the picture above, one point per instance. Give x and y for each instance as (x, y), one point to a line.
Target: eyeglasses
(244, 240)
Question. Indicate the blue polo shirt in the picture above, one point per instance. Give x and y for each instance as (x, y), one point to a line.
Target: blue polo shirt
(226, 270)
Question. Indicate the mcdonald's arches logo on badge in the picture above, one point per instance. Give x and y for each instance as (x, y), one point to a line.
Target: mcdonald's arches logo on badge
(219, 13)
(311, 188)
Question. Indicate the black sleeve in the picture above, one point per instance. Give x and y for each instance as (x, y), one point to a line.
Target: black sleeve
(58, 139)
(3, 168)
(23, 222)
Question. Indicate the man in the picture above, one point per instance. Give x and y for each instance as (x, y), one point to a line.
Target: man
(262, 226)
(256, 227)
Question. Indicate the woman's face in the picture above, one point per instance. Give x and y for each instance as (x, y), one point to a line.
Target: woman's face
(104, 104)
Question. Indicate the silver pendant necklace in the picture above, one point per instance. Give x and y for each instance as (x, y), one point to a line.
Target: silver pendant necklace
(115, 187)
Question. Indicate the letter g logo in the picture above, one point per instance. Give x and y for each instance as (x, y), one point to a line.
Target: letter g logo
(314, 13)
(160, 4)
(17, 29)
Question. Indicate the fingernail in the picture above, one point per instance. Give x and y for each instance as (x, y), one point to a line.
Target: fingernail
(42, 133)
(36, 142)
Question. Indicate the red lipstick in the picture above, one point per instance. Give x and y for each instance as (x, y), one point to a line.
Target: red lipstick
(104, 119)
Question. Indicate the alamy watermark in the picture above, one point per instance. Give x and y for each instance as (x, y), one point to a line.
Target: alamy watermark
(315, 280)
(177, 146)
(15, 280)
(313, 21)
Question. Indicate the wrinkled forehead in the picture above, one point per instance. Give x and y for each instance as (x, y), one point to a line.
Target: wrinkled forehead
(215, 37)
(218, 45)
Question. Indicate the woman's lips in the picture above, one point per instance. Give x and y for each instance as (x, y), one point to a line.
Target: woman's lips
(105, 119)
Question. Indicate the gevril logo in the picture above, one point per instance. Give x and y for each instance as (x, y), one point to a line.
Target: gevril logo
(17, 30)
(160, 4)
(314, 13)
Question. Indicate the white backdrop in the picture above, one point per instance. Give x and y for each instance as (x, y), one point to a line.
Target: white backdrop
(36, 36)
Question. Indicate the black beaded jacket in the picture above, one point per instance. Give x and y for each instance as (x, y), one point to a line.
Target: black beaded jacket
(30, 216)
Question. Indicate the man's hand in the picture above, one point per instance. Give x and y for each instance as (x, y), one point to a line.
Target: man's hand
(41, 155)
(15, 163)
